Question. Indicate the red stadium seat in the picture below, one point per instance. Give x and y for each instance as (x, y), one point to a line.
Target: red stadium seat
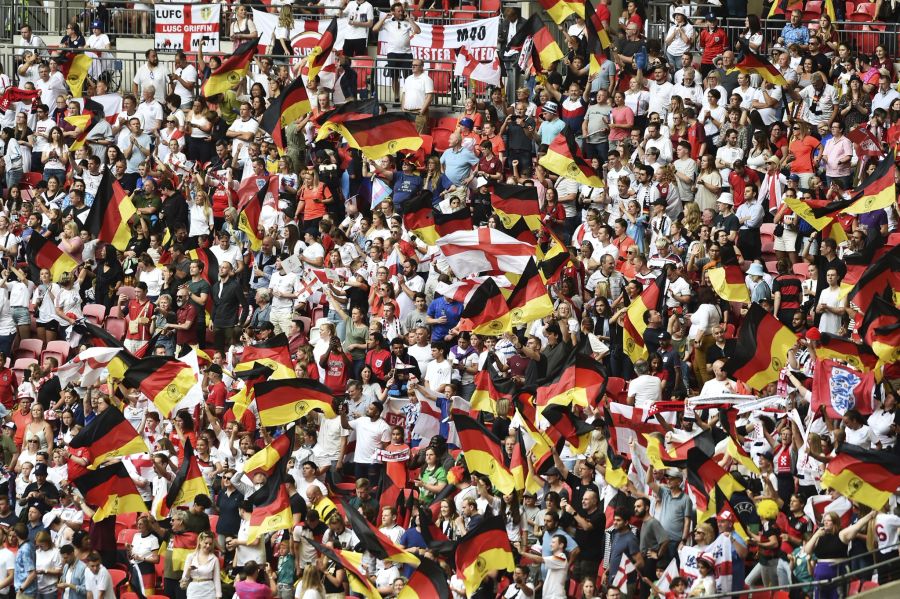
(118, 578)
(812, 11)
(115, 312)
(20, 366)
(767, 228)
(772, 267)
(864, 8)
(849, 7)
(364, 66)
(95, 313)
(129, 595)
(441, 138)
(489, 8)
(427, 143)
(59, 349)
(126, 536)
(29, 348)
(448, 122)
(116, 327)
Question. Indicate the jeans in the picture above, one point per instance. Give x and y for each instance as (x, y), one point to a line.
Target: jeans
(600, 151)
(59, 174)
(784, 572)
(674, 61)
(13, 177)
(767, 573)
(369, 471)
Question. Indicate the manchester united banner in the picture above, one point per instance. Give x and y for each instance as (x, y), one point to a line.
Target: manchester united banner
(185, 27)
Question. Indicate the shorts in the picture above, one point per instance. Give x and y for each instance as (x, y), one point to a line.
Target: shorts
(21, 315)
(399, 64)
(786, 242)
(52, 325)
(357, 47)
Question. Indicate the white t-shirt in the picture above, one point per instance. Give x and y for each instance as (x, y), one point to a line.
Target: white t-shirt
(357, 12)
(438, 374)
(47, 560)
(158, 77)
(555, 580)
(232, 255)
(369, 437)
(151, 114)
(645, 389)
(241, 126)
(415, 88)
(831, 323)
(189, 74)
(246, 553)
(887, 527)
(397, 34)
(100, 584)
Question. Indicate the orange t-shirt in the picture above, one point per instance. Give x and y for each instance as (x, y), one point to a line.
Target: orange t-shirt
(312, 209)
(803, 149)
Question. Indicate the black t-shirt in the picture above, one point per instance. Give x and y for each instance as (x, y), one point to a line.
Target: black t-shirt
(579, 489)
(298, 505)
(720, 353)
(590, 542)
(628, 48)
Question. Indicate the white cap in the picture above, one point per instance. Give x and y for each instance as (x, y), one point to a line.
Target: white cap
(726, 198)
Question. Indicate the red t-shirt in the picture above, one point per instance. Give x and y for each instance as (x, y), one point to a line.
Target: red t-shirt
(217, 395)
(337, 371)
(803, 149)
(75, 470)
(8, 387)
(713, 44)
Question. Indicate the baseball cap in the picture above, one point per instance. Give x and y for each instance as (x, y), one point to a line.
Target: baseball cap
(467, 123)
(550, 107)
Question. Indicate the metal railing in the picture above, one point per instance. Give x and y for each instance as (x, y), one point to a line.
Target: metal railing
(120, 66)
(122, 19)
(842, 580)
(859, 36)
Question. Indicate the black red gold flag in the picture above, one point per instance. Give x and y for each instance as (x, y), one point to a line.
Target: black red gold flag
(761, 350)
(382, 135)
(482, 453)
(857, 355)
(481, 550)
(185, 487)
(375, 541)
(486, 312)
(232, 70)
(252, 195)
(757, 64)
(564, 158)
(353, 110)
(573, 429)
(292, 104)
(529, 300)
(427, 582)
(163, 379)
(351, 563)
(283, 401)
(450, 222)
(512, 203)
(881, 329)
(274, 353)
(318, 56)
(108, 217)
(110, 492)
(107, 436)
(271, 505)
(44, 253)
(863, 475)
(418, 216)
(635, 323)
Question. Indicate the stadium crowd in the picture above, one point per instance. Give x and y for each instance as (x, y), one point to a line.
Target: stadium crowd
(685, 385)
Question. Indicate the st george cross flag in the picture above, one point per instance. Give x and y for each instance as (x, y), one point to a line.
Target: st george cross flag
(484, 250)
(89, 364)
(620, 580)
(671, 572)
(471, 68)
(721, 551)
(688, 558)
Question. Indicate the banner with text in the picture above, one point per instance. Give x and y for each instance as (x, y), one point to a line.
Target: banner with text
(186, 27)
(436, 42)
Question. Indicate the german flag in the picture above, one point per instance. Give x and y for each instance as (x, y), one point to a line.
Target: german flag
(761, 350)
(545, 50)
(560, 10)
(728, 283)
(881, 330)
(374, 540)
(746, 519)
(381, 135)
(570, 427)
(828, 224)
(318, 56)
(488, 391)
(552, 259)
(529, 300)
(857, 355)
(109, 214)
(633, 327)
(244, 397)
(486, 312)
(579, 383)
(351, 563)
(614, 472)
(181, 545)
(514, 202)
(266, 460)
(284, 401)
(354, 110)
(232, 70)
(597, 37)
(784, 7)
(252, 194)
(109, 435)
(44, 253)
(79, 121)
(518, 462)
(483, 549)
(754, 63)
(519, 231)
(273, 353)
(862, 475)
(271, 505)
(876, 191)
(482, 453)
(418, 216)
(74, 67)
(740, 455)
(292, 104)
(460, 220)
(883, 276)
(163, 379)
(427, 581)
(187, 484)
(110, 492)
(564, 158)
(210, 265)
(100, 337)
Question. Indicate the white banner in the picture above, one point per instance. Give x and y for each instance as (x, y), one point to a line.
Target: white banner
(181, 27)
(435, 42)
